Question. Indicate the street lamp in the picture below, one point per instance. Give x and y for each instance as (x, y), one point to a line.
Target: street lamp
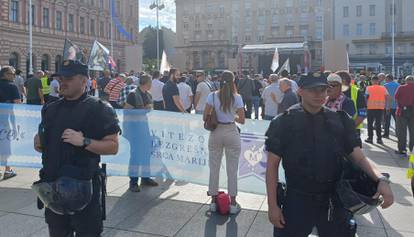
(158, 8)
(30, 38)
(393, 38)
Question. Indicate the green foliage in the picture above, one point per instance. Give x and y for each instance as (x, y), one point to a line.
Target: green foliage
(150, 43)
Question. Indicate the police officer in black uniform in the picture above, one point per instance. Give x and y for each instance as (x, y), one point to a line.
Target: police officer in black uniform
(74, 132)
(308, 139)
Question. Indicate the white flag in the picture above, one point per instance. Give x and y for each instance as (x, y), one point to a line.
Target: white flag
(165, 66)
(275, 61)
(98, 58)
(285, 66)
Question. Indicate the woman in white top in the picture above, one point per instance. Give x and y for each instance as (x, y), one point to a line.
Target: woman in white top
(229, 108)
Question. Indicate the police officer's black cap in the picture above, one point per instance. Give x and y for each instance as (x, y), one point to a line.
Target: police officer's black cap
(312, 80)
(71, 68)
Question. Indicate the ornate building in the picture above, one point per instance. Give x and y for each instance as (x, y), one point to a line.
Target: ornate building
(81, 21)
(210, 33)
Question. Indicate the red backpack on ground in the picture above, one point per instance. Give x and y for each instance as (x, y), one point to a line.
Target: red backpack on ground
(223, 203)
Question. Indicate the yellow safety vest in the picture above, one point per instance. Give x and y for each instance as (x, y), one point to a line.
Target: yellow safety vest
(45, 87)
(410, 171)
(354, 97)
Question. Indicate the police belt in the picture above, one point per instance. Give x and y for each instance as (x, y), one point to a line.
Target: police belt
(318, 197)
(310, 185)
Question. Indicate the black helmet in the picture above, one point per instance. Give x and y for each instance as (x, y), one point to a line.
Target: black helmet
(65, 196)
(355, 193)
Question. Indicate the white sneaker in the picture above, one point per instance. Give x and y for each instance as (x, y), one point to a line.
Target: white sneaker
(234, 209)
(213, 207)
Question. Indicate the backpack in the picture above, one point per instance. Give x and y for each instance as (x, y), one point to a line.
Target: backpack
(223, 203)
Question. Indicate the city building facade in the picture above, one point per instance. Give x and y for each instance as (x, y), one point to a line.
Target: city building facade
(81, 21)
(366, 26)
(211, 33)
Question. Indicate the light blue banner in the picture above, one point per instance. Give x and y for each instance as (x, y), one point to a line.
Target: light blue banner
(153, 143)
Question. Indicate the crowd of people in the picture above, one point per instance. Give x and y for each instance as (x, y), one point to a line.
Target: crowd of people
(233, 97)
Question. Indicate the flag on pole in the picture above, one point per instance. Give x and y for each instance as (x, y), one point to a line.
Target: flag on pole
(98, 58)
(347, 61)
(307, 61)
(165, 65)
(71, 51)
(111, 63)
(275, 61)
(285, 66)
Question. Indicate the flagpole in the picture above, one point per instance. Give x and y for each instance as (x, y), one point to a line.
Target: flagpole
(30, 38)
(158, 38)
(393, 38)
(112, 33)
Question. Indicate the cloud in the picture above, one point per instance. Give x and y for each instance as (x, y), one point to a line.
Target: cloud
(167, 17)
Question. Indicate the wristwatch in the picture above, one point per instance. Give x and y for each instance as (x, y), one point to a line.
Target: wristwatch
(86, 142)
(384, 179)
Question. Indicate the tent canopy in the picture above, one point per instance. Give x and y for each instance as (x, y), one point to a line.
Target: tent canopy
(261, 48)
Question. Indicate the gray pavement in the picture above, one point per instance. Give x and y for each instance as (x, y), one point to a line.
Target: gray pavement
(177, 208)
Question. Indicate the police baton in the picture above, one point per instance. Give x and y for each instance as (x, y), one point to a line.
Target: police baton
(103, 191)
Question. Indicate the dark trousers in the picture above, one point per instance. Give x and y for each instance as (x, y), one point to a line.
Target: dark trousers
(374, 119)
(134, 180)
(256, 105)
(302, 213)
(86, 223)
(388, 121)
(34, 102)
(403, 124)
(158, 105)
(248, 108)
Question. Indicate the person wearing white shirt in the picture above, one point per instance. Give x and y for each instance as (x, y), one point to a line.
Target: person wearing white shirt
(156, 91)
(229, 108)
(54, 89)
(272, 96)
(186, 95)
(203, 90)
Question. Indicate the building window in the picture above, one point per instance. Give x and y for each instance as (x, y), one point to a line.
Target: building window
(372, 49)
(45, 62)
(93, 2)
(101, 3)
(71, 23)
(359, 29)
(318, 34)
(247, 38)
(58, 20)
(346, 11)
(260, 38)
(33, 15)
(359, 10)
(345, 30)
(275, 21)
(46, 17)
(372, 29)
(101, 29)
(82, 25)
(388, 49)
(93, 27)
(395, 9)
(289, 33)
(371, 10)
(14, 60)
(14, 11)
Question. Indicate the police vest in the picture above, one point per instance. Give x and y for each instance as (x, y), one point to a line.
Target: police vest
(314, 145)
(377, 95)
(354, 97)
(45, 85)
(74, 161)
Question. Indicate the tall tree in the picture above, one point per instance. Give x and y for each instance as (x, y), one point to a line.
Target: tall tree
(150, 42)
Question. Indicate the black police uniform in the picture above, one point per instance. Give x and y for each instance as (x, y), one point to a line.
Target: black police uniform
(310, 146)
(95, 119)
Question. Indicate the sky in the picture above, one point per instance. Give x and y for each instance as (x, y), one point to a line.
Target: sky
(148, 17)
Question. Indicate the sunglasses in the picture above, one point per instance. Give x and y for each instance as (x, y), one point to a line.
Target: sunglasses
(334, 85)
